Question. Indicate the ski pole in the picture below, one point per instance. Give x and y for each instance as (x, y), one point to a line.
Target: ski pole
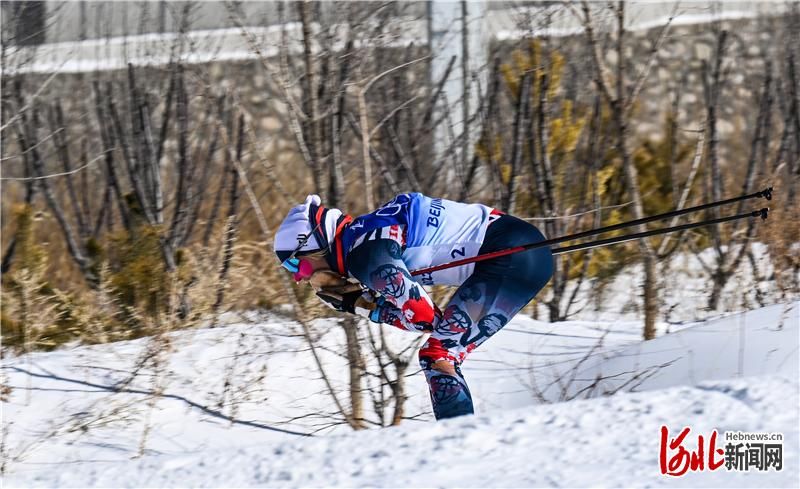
(767, 193)
(763, 213)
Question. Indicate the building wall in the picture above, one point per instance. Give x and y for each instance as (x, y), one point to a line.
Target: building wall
(687, 47)
(76, 21)
(79, 20)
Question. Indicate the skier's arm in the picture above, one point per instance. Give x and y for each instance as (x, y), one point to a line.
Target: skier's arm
(377, 264)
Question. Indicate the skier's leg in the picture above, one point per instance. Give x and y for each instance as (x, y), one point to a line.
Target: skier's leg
(481, 306)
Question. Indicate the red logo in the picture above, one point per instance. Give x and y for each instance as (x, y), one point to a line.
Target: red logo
(674, 459)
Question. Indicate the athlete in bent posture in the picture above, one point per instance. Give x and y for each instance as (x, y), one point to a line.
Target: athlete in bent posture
(413, 231)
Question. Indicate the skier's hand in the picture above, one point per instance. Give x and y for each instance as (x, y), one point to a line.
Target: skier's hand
(383, 311)
(328, 279)
(350, 299)
(365, 305)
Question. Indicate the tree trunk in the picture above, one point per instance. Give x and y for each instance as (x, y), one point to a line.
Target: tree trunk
(650, 294)
(718, 279)
(310, 89)
(232, 221)
(650, 285)
(520, 124)
(355, 364)
(399, 393)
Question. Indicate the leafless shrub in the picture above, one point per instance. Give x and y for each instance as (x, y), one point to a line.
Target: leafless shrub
(567, 384)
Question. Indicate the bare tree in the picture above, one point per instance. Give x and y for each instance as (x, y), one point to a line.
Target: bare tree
(620, 96)
(728, 257)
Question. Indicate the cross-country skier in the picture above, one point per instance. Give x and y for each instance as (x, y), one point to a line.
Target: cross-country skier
(412, 231)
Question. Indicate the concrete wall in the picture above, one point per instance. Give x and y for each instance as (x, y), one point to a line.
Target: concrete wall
(79, 20)
(689, 44)
(752, 41)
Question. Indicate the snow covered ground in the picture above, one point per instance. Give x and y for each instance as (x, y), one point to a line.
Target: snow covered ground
(80, 417)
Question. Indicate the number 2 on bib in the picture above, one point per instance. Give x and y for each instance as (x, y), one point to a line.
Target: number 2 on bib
(458, 252)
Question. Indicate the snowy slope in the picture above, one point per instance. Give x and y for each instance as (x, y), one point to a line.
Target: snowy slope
(610, 441)
(611, 358)
(77, 417)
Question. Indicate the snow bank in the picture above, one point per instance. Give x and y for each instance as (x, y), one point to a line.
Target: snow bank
(612, 441)
(78, 417)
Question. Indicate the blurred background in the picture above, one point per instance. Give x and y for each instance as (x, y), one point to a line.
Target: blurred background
(149, 149)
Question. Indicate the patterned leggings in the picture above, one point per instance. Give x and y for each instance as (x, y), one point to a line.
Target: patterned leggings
(482, 305)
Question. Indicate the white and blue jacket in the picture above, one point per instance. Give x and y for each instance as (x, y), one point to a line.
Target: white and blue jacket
(432, 231)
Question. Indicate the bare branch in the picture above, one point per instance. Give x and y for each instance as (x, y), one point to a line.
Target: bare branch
(54, 175)
(651, 59)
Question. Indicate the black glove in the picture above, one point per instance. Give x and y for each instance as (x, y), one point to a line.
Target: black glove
(345, 302)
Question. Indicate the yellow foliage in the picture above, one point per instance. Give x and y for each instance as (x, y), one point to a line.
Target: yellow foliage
(556, 70)
(522, 63)
(511, 78)
(565, 131)
(576, 265)
(653, 159)
(28, 253)
(505, 173)
(606, 262)
(483, 152)
(139, 276)
(35, 314)
(614, 217)
(525, 61)
(603, 175)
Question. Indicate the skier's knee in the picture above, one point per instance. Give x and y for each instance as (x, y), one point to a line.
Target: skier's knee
(444, 366)
(433, 356)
